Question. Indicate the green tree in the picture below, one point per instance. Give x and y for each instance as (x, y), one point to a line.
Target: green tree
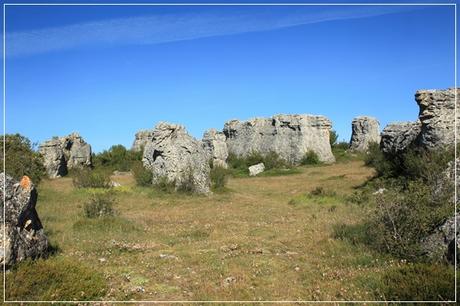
(21, 158)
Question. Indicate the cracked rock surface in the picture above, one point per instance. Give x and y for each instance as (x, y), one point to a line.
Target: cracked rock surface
(290, 136)
(25, 237)
(177, 157)
(365, 130)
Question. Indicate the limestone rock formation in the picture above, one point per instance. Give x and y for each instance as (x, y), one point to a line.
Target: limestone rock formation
(434, 128)
(290, 136)
(24, 232)
(216, 147)
(437, 116)
(53, 158)
(178, 157)
(441, 243)
(365, 130)
(256, 169)
(141, 139)
(77, 151)
(63, 153)
(396, 137)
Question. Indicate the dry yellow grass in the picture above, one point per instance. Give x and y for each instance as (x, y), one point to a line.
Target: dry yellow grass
(245, 244)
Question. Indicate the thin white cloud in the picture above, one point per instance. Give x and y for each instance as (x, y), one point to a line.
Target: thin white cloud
(165, 28)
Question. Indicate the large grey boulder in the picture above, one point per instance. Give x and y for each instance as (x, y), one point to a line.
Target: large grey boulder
(396, 137)
(434, 128)
(179, 158)
(54, 159)
(441, 243)
(141, 139)
(365, 130)
(216, 147)
(24, 237)
(77, 151)
(290, 136)
(437, 116)
(63, 153)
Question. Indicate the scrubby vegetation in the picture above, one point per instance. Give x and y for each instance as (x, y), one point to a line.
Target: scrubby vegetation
(99, 205)
(87, 178)
(142, 175)
(310, 158)
(21, 158)
(116, 158)
(219, 178)
(416, 197)
(419, 282)
(238, 166)
(56, 278)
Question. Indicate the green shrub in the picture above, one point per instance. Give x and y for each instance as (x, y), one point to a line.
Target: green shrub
(404, 216)
(21, 159)
(273, 161)
(320, 191)
(219, 178)
(310, 158)
(99, 205)
(116, 158)
(333, 136)
(238, 166)
(419, 282)
(412, 164)
(142, 175)
(187, 182)
(163, 184)
(87, 178)
(56, 278)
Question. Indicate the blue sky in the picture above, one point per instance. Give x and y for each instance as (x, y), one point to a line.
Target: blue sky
(108, 72)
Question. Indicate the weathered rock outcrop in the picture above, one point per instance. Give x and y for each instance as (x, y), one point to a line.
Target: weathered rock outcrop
(434, 128)
(141, 139)
(53, 158)
(437, 116)
(216, 147)
(77, 151)
(178, 157)
(290, 136)
(396, 137)
(441, 244)
(63, 153)
(24, 232)
(365, 130)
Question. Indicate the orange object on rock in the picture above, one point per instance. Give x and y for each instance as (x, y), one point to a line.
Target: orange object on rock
(25, 182)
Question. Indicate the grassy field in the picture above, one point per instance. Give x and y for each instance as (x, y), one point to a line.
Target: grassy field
(265, 238)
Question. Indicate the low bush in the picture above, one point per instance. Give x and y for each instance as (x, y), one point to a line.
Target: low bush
(219, 178)
(116, 158)
(21, 159)
(99, 205)
(142, 175)
(419, 282)
(321, 192)
(238, 166)
(87, 178)
(404, 216)
(333, 137)
(310, 158)
(56, 278)
(186, 183)
(163, 184)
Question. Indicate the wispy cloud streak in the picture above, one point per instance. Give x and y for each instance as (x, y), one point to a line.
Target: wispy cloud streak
(165, 28)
